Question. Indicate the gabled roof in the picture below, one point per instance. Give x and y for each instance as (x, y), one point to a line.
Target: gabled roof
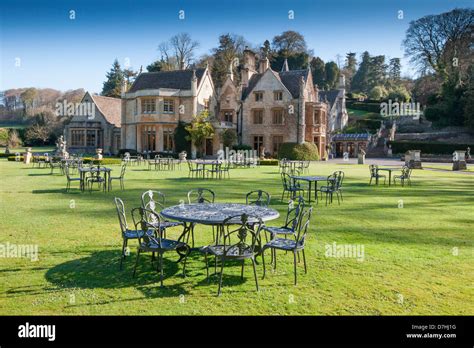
(111, 108)
(331, 96)
(252, 83)
(177, 79)
(290, 79)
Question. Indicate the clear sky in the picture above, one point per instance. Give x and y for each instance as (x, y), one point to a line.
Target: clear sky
(42, 47)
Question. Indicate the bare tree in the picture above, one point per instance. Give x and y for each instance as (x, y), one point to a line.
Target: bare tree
(178, 52)
(440, 42)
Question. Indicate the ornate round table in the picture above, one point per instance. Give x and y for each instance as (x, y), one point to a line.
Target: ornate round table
(214, 214)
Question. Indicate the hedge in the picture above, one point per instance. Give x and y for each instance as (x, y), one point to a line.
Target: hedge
(86, 160)
(301, 152)
(371, 107)
(269, 162)
(427, 147)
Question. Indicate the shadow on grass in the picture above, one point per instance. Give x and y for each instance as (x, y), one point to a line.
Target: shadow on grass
(100, 270)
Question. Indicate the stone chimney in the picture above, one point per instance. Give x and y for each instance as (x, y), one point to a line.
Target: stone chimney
(194, 86)
(264, 65)
(302, 113)
(316, 92)
(124, 87)
(342, 82)
(248, 68)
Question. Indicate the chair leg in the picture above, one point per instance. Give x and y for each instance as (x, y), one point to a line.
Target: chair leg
(161, 268)
(263, 261)
(220, 278)
(136, 263)
(124, 245)
(304, 262)
(294, 261)
(207, 266)
(242, 271)
(255, 273)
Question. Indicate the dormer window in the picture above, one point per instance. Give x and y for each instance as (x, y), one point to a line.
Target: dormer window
(148, 106)
(258, 96)
(278, 95)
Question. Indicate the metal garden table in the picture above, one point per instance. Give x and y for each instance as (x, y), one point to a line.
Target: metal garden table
(389, 170)
(310, 179)
(214, 214)
(84, 170)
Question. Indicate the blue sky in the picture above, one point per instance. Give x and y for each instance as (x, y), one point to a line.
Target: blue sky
(55, 51)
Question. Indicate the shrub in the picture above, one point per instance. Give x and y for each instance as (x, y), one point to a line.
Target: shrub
(132, 152)
(103, 161)
(180, 138)
(3, 136)
(303, 152)
(378, 92)
(399, 93)
(427, 147)
(229, 137)
(242, 147)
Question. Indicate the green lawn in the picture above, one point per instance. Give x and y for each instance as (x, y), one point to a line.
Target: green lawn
(418, 259)
(358, 113)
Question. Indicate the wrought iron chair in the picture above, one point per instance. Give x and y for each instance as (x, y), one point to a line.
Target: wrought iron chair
(127, 233)
(201, 195)
(375, 174)
(54, 164)
(290, 186)
(96, 177)
(330, 188)
(405, 176)
(215, 170)
(242, 228)
(153, 200)
(68, 177)
(195, 171)
(295, 245)
(225, 169)
(339, 181)
(120, 178)
(258, 197)
(293, 214)
(153, 242)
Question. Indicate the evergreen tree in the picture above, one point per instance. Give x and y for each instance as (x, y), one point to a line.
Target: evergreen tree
(318, 71)
(113, 85)
(394, 70)
(230, 50)
(332, 75)
(360, 81)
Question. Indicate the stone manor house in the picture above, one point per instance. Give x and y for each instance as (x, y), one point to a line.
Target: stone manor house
(267, 108)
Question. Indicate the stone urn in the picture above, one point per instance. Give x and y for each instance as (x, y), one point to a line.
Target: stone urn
(28, 156)
(459, 160)
(361, 157)
(98, 154)
(183, 155)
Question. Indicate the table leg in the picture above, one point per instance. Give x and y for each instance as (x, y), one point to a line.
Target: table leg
(377, 178)
(309, 192)
(316, 191)
(389, 178)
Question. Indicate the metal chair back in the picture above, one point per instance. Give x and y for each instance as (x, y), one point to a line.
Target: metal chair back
(201, 195)
(258, 197)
